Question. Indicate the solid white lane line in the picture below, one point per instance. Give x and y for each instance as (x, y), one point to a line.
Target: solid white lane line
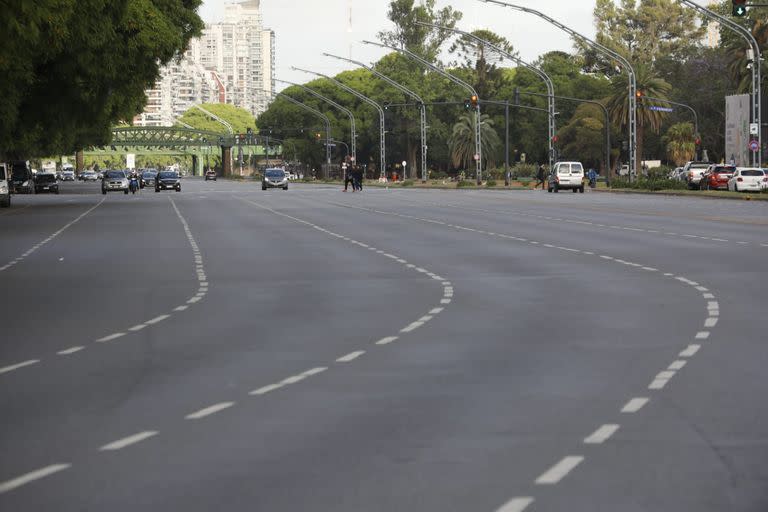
(19, 365)
(350, 357)
(213, 409)
(68, 351)
(387, 340)
(516, 504)
(677, 365)
(560, 470)
(266, 389)
(634, 405)
(690, 351)
(128, 441)
(157, 319)
(110, 337)
(602, 434)
(32, 476)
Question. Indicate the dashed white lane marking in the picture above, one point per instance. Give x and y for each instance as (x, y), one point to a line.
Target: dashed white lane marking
(292, 379)
(350, 357)
(702, 335)
(181, 308)
(387, 340)
(657, 384)
(18, 365)
(137, 328)
(68, 351)
(110, 337)
(560, 470)
(435, 311)
(265, 389)
(157, 319)
(54, 235)
(677, 365)
(412, 326)
(518, 504)
(207, 411)
(690, 351)
(315, 371)
(602, 434)
(634, 405)
(128, 441)
(710, 322)
(32, 476)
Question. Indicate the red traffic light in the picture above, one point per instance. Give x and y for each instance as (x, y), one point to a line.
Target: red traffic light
(474, 100)
(555, 138)
(698, 141)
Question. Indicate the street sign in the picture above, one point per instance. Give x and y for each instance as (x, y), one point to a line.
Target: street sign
(754, 146)
(660, 109)
(754, 128)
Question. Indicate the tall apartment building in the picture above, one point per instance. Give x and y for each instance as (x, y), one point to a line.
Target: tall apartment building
(232, 62)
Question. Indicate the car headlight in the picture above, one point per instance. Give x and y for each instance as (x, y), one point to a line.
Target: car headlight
(3, 189)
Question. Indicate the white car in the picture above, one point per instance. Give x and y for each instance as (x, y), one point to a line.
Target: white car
(747, 180)
(693, 172)
(5, 186)
(566, 175)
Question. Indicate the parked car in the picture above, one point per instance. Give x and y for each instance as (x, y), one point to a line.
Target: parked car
(46, 183)
(67, 175)
(22, 178)
(717, 176)
(5, 185)
(747, 180)
(168, 180)
(114, 181)
(274, 178)
(566, 175)
(210, 174)
(148, 178)
(693, 172)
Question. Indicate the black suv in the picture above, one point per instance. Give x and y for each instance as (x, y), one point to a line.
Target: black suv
(22, 178)
(46, 183)
(168, 180)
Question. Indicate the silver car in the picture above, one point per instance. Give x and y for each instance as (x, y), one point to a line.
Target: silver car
(114, 181)
(274, 178)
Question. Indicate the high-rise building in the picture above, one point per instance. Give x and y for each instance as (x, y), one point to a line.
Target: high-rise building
(232, 62)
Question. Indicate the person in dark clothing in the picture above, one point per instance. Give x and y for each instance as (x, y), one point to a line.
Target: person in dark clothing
(357, 176)
(540, 177)
(348, 179)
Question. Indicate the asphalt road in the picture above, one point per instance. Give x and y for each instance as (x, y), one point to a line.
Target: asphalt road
(391, 350)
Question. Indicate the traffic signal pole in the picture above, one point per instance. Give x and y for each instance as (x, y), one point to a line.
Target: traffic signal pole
(757, 114)
(353, 131)
(541, 74)
(607, 51)
(457, 81)
(420, 102)
(366, 99)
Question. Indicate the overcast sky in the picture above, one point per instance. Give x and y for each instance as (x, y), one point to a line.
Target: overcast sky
(304, 29)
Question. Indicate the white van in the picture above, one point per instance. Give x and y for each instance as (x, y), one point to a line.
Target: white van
(5, 186)
(566, 175)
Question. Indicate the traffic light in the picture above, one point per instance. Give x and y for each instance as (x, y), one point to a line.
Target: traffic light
(739, 8)
(639, 95)
(517, 96)
(318, 135)
(698, 141)
(467, 104)
(555, 138)
(474, 100)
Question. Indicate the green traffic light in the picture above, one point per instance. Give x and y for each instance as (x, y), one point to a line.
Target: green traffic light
(739, 8)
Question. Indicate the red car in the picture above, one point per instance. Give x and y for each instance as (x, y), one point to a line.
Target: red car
(717, 176)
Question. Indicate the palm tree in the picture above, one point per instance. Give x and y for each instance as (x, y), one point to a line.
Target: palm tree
(648, 84)
(681, 143)
(739, 65)
(462, 141)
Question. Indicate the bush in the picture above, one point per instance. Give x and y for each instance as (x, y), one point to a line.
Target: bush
(408, 183)
(490, 183)
(657, 173)
(524, 171)
(648, 184)
(465, 183)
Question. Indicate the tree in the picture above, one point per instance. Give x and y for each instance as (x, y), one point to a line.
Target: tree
(71, 68)
(239, 118)
(462, 140)
(681, 143)
(648, 84)
(583, 138)
(424, 41)
(482, 60)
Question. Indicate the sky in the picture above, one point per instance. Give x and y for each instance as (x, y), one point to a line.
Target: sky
(305, 29)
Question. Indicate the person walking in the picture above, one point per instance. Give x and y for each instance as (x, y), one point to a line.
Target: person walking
(348, 178)
(592, 176)
(357, 176)
(540, 177)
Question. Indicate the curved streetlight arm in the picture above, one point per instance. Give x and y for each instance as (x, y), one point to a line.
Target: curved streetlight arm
(216, 118)
(412, 94)
(551, 128)
(757, 109)
(458, 81)
(349, 113)
(366, 99)
(606, 50)
(313, 111)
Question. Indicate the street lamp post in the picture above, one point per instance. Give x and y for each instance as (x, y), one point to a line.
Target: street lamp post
(366, 99)
(607, 51)
(457, 81)
(353, 131)
(757, 114)
(541, 74)
(412, 94)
